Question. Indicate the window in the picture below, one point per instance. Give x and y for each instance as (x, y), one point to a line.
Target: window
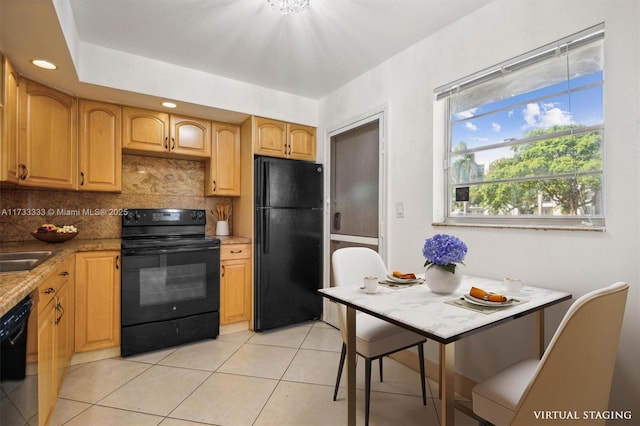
(524, 141)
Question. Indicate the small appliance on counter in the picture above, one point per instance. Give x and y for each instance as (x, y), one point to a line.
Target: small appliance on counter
(170, 279)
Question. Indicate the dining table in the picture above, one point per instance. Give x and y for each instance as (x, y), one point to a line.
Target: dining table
(443, 318)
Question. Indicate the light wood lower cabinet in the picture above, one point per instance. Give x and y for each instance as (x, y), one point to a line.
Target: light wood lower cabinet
(54, 309)
(97, 319)
(235, 283)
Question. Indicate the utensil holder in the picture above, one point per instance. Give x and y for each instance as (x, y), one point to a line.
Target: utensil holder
(222, 227)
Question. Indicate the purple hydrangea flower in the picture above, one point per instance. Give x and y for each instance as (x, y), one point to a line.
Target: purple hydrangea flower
(445, 251)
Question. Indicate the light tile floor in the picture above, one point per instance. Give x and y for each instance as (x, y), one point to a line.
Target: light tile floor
(280, 377)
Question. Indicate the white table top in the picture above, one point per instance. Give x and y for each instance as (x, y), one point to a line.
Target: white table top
(424, 312)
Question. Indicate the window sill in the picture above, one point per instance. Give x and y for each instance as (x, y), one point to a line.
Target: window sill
(537, 227)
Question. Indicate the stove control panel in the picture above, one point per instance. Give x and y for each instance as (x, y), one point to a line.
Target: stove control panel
(155, 217)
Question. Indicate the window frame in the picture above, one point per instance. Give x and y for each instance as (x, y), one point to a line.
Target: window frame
(443, 114)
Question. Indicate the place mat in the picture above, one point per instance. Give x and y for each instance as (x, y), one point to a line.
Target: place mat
(462, 303)
(396, 286)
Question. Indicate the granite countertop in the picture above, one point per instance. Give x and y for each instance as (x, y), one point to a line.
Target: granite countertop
(16, 286)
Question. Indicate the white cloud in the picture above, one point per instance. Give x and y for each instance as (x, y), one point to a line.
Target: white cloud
(531, 114)
(510, 113)
(470, 126)
(496, 127)
(555, 117)
(547, 116)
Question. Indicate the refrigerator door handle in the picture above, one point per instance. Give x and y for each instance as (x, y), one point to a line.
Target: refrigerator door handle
(266, 189)
(265, 231)
(336, 221)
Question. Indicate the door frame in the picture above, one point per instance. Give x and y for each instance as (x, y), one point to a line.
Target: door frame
(378, 114)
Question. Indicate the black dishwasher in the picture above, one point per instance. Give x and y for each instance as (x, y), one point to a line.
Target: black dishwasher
(13, 338)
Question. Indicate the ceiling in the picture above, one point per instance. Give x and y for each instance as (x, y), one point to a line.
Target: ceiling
(308, 54)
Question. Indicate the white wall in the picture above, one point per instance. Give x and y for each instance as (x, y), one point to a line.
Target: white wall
(573, 261)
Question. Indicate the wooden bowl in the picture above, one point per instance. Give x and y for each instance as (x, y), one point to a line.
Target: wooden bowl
(53, 237)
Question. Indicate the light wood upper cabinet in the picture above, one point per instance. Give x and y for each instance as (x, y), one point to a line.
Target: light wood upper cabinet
(164, 134)
(269, 137)
(99, 146)
(223, 170)
(301, 142)
(9, 132)
(47, 155)
(190, 136)
(97, 324)
(145, 130)
(285, 140)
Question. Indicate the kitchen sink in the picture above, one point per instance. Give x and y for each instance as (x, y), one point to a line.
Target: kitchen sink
(22, 261)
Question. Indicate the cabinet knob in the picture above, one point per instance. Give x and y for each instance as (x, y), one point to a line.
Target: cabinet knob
(223, 269)
(64, 273)
(50, 290)
(236, 251)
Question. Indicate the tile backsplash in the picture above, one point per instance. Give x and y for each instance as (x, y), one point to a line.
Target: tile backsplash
(147, 182)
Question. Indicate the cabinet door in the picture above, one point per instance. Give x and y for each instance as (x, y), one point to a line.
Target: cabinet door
(301, 142)
(145, 130)
(269, 137)
(47, 137)
(64, 331)
(47, 357)
(97, 317)
(100, 146)
(190, 137)
(235, 291)
(9, 137)
(223, 173)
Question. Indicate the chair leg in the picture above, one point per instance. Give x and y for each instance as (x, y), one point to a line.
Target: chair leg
(367, 390)
(422, 379)
(343, 354)
(380, 361)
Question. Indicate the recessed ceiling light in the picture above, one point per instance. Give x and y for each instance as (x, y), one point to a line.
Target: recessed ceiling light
(169, 105)
(44, 64)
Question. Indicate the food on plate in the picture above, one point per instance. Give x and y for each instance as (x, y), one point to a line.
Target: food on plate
(407, 276)
(478, 293)
(49, 227)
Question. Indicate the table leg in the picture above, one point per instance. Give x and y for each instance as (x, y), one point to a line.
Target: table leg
(351, 366)
(540, 332)
(447, 383)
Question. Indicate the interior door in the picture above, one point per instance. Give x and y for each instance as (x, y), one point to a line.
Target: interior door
(355, 187)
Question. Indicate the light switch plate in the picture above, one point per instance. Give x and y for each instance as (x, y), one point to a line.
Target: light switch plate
(400, 210)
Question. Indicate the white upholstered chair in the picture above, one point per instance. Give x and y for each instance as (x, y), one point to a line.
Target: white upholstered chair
(375, 338)
(574, 374)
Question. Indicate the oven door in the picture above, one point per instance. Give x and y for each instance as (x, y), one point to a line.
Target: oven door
(162, 284)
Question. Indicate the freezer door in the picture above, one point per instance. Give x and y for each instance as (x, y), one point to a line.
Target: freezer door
(288, 183)
(288, 267)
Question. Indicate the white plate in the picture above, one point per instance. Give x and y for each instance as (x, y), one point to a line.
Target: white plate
(391, 278)
(481, 302)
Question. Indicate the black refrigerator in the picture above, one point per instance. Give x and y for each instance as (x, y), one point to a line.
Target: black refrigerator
(288, 242)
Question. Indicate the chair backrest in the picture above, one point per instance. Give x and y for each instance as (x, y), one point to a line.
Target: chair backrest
(350, 266)
(575, 373)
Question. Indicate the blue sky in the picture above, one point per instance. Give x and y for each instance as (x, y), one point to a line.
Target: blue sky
(515, 116)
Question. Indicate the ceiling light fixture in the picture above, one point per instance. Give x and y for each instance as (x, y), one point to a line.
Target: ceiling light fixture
(44, 64)
(289, 6)
(169, 105)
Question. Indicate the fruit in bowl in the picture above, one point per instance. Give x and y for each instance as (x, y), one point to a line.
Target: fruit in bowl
(51, 233)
